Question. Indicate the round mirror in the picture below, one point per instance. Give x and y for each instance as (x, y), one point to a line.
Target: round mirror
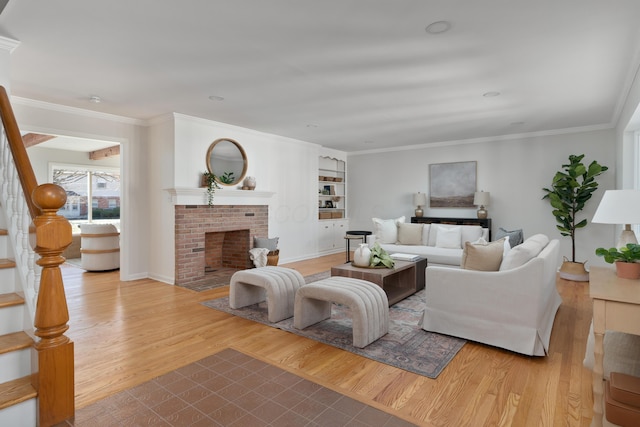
(227, 161)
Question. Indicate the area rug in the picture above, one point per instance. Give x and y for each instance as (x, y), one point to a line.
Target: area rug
(407, 346)
(223, 278)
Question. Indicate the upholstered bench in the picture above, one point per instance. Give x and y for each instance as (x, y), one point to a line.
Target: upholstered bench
(277, 285)
(367, 301)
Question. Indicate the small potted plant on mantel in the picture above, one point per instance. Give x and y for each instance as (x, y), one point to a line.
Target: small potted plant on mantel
(209, 181)
(626, 259)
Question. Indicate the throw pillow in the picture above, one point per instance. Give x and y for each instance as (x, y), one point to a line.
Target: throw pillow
(386, 230)
(482, 256)
(507, 247)
(425, 234)
(449, 237)
(471, 233)
(524, 252)
(261, 242)
(515, 236)
(409, 234)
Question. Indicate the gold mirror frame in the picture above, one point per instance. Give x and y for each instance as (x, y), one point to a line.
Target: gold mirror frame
(226, 161)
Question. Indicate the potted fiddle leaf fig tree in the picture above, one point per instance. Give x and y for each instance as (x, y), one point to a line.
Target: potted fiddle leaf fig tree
(571, 189)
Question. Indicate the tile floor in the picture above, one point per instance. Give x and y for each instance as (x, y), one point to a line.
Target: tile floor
(231, 389)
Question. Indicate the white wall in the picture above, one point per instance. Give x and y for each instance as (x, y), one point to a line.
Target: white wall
(284, 166)
(41, 117)
(514, 172)
(171, 152)
(160, 177)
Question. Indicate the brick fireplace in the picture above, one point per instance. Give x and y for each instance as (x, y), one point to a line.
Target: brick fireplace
(216, 236)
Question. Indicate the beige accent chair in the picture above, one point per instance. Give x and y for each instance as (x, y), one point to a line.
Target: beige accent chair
(100, 247)
(513, 308)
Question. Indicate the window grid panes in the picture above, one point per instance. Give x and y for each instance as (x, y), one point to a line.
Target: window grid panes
(104, 193)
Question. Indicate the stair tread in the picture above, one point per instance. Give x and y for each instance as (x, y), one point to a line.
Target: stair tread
(3, 232)
(10, 299)
(7, 263)
(16, 391)
(14, 341)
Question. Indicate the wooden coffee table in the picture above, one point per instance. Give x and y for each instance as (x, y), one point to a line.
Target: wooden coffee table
(404, 279)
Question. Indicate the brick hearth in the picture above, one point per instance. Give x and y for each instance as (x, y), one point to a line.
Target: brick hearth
(193, 222)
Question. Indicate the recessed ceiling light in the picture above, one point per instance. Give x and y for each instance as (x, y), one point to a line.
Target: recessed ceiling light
(438, 27)
(491, 94)
(216, 98)
(95, 99)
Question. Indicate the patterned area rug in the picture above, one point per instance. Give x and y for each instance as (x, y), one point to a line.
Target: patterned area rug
(222, 277)
(215, 279)
(407, 346)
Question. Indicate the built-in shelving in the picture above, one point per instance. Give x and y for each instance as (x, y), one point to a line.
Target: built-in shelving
(331, 188)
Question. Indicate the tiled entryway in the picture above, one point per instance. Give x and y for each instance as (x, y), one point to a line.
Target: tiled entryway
(231, 389)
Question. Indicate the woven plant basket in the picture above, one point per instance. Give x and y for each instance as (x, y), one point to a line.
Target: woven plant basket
(273, 257)
(574, 271)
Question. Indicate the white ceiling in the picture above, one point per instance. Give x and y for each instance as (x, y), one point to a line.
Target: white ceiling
(349, 74)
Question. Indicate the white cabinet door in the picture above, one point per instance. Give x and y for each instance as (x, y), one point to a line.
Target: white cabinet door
(325, 236)
(331, 235)
(339, 231)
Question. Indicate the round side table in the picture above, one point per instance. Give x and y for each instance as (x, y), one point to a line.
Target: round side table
(353, 235)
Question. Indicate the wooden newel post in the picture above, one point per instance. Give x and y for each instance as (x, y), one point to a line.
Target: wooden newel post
(54, 350)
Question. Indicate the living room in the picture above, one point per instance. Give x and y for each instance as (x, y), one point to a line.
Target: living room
(166, 153)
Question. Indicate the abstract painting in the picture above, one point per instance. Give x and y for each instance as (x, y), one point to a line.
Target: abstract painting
(452, 185)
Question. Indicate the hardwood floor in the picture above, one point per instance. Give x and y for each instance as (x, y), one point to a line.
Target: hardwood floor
(126, 333)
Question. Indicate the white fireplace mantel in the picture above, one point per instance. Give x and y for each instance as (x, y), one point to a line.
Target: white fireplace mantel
(198, 196)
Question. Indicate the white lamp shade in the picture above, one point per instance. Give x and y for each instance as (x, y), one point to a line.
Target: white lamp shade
(618, 207)
(419, 199)
(481, 198)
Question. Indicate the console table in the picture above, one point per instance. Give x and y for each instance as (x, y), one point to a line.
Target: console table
(616, 307)
(483, 222)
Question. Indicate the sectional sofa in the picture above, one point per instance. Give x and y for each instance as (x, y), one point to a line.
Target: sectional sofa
(512, 307)
(441, 244)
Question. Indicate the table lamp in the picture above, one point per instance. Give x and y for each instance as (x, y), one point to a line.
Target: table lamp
(419, 199)
(620, 207)
(481, 198)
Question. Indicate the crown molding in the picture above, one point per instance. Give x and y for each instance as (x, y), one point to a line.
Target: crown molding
(8, 44)
(495, 138)
(17, 100)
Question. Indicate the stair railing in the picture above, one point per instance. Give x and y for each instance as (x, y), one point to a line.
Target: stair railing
(30, 208)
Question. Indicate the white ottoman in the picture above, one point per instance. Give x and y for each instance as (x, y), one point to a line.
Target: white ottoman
(368, 303)
(277, 285)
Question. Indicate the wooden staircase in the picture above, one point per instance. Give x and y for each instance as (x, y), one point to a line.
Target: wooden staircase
(17, 394)
(36, 358)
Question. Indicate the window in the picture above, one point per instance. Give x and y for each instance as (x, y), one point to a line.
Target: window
(83, 183)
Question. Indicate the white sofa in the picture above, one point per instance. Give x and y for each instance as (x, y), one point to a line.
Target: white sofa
(513, 308)
(394, 235)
